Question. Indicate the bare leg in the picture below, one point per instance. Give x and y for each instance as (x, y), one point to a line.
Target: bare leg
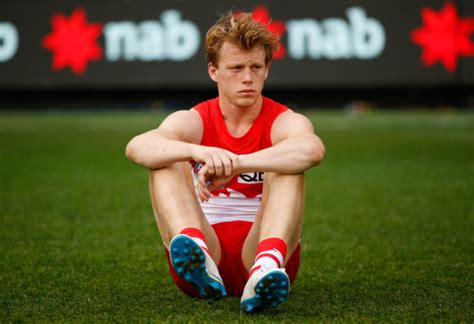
(280, 214)
(176, 206)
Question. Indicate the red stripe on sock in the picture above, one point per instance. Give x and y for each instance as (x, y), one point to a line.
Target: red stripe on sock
(272, 243)
(253, 270)
(194, 232)
(197, 233)
(268, 255)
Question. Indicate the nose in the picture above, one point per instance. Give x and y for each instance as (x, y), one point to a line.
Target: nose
(247, 77)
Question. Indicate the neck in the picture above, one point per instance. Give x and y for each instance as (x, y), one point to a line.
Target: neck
(239, 119)
(239, 114)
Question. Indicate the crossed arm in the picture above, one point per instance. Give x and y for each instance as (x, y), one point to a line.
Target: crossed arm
(295, 149)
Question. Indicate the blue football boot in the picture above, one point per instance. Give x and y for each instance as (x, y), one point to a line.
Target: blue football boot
(194, 265)
(265, 289)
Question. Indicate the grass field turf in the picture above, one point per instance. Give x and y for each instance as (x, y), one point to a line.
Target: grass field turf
(388, 232)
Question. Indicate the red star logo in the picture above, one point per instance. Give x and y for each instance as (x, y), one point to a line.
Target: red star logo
(73, 41)
(444, 37)
(262, 15)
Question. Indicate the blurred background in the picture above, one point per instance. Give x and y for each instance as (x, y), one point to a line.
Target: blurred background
(149, 54)
(389, 216)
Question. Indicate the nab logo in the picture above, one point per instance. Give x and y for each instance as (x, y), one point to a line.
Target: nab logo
(8, 41)
(444, 36)
(251, 177)
(358, 37)
(73, 41)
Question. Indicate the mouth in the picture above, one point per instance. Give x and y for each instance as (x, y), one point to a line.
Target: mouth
(247, 91)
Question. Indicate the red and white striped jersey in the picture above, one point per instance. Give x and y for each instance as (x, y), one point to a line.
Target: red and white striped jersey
(240, 198)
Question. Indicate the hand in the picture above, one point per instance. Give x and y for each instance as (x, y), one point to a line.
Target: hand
(207, 183)
(219, 162)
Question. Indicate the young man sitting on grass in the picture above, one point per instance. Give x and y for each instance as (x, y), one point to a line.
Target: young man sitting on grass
(227, 176)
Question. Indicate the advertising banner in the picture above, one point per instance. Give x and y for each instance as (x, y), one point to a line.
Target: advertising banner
(159, 44)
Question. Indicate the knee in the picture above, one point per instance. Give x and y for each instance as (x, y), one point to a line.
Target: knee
(177, 176)
(273, 178)
(284, 189)
(174, 170)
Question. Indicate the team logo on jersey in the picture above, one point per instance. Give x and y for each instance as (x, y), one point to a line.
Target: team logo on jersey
(251, 177)
(197, 166)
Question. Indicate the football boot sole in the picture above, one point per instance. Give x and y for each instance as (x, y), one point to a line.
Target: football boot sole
(189, 262)
(270, 291)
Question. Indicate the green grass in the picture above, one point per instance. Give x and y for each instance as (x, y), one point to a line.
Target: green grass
(388, 232)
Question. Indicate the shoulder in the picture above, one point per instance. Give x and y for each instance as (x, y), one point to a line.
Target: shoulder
(288, 124)
(183, 116)
(273, 106)
(204, 107)
(184, 125)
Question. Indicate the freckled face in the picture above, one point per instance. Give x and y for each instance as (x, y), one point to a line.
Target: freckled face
(240, 74)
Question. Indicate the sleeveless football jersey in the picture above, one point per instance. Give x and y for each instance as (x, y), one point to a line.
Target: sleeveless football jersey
(240, 198)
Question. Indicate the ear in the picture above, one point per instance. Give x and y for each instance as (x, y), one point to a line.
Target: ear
(213, 72)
